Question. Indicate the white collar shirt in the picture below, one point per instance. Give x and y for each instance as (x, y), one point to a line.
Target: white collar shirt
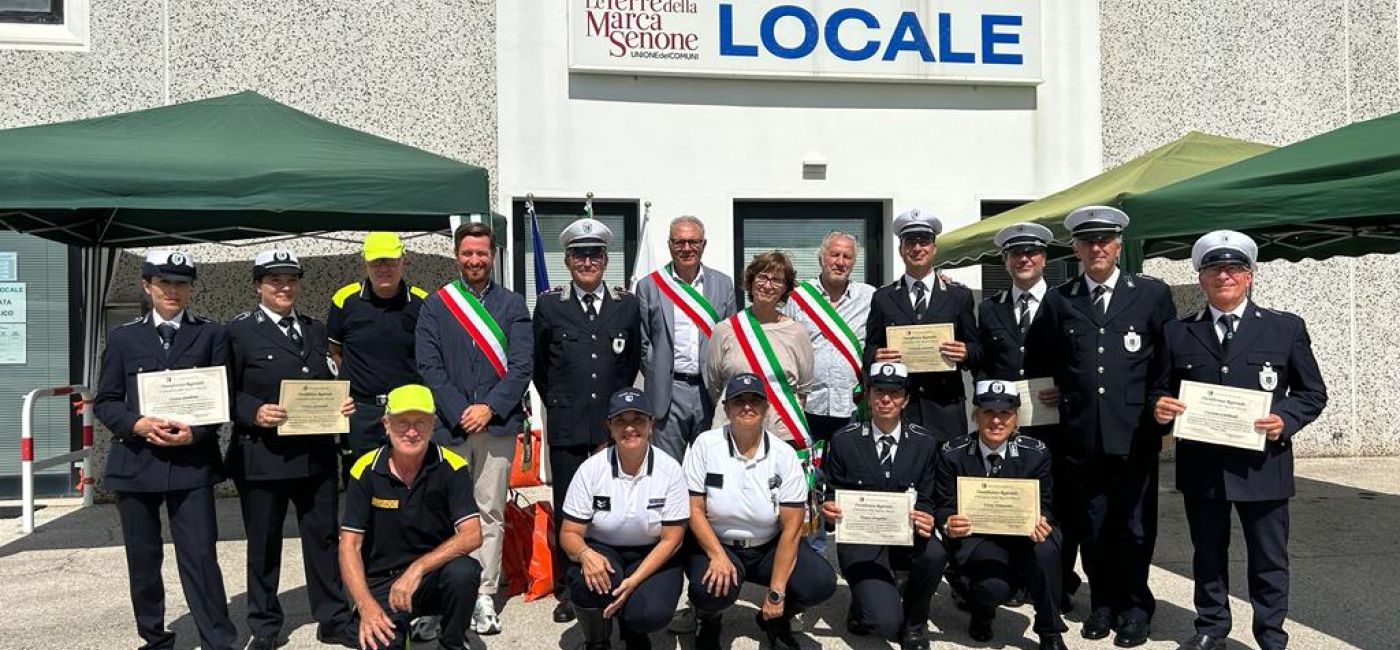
(1109, 285)
(930, 283)
(832, 376)
(743, 495)
(277, 319)
(625, 510)
(157, 321)
(1238, 312)
(597, 294)
(1000, 450)
(897, 433)
(686, 344)
(1037, 296)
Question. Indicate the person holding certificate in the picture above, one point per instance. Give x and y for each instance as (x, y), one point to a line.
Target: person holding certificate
(157, 461)
(271, 343)
(1235, 343)
(921, 297)
(994, 566)
(892, 458)
(748, 500)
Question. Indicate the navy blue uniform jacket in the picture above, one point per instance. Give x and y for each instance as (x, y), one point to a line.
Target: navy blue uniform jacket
(1026, 457)
(133, 465)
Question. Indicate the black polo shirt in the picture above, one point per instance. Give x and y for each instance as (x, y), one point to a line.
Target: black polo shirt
(375, 336)
(402, 523)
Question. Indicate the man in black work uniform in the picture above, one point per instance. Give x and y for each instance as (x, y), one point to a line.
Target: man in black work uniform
(994, 566)
(270, 343)
(587, 347)
(155, 460)
(1235, 342)
(370, 328)
(888, 456)
(1100, 336)
(921, 297)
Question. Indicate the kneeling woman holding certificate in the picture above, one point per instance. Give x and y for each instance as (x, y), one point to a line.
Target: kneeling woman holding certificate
(992, 501)
(624, 520)
(748, 499)
(879, 494)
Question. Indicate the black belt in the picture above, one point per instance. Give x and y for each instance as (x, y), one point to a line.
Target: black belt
(377, 400)
(694, 380)
(745, 543)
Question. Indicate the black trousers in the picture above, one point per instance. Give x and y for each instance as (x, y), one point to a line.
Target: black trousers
(876, 601)
(366, 435)
(1265, 525)
(945, 421)
(812, 580)
(1113, 513)
(193, 531)
(651, 604)
(824, 426)
(996, 566)
(449, 592)
(1062, 501)
(563, 464)
(264, 509)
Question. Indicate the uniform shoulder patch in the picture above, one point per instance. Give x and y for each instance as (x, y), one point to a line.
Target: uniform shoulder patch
(554, 289)
(343, 293)
(363, 462)
(957, 445)
(621, 290)
(1027, 442)
(918, 430)
(418, 291)
(243, 316)
(134, 321)
(846, 430)
(454, 460)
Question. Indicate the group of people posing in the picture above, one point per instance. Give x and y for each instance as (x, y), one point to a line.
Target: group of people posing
(654, 492)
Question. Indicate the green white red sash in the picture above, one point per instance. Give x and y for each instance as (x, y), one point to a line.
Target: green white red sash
(478, 322)
(764, 363)
(817, 308)
(684, 296)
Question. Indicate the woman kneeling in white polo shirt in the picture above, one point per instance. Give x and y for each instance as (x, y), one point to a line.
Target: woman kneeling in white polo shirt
(748, 495)
(624, 519)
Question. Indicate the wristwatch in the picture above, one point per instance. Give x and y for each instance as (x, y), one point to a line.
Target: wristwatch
(775, 596)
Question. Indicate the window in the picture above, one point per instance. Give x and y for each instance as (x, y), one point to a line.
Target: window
(555, 216)
(994, 275)
(44, 24)
(798, 227)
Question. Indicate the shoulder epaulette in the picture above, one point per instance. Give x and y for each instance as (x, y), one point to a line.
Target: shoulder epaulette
(854, 426)
(621, 290)
(1027, 442)
(957, 445)
(416, 291)
(135, 321)
(917, 430)
(196, 318)
(345, 292)
(242, 316)
(554, 289)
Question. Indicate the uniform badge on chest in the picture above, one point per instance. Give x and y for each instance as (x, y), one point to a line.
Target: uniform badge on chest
(619, 344)
(1268, 377)
(1132, 342)
(603, 504)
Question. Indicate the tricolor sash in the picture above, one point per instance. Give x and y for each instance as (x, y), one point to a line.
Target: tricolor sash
(812, 303)
(478, 322)
(684, 296)
(759, 352)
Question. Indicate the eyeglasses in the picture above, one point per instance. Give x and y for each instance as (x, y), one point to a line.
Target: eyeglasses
(1232, 270)
(769, 280)
(687, 243)
(587, 253)
(402, 426)
(916, 240)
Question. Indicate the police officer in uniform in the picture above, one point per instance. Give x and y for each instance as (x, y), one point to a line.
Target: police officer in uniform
(1235, 342)
(994, 566)
(886, 455)
(1099, 335)
(935, 399)
(370, 328)
(155, 461)
(587, 346)
(270, 343)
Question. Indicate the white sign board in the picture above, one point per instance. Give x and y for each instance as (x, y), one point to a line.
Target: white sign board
(929, 41)
(14, 302)
(9, 266)
(13, 349)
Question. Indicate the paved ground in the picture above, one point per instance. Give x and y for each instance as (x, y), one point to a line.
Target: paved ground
(65, 585)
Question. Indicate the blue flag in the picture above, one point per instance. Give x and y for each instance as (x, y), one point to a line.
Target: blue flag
(541, 273)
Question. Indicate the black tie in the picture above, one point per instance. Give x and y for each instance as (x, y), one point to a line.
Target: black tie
(1025, 320)
(291, 331)
(589, 308)
(167, 335)
(993, 465)
(887, 453)
(1227, 326)
(919, 300)
(1099, 302)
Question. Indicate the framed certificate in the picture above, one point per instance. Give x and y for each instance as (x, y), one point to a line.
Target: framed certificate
(918, 346)
(1000, 506)
(313, 407)
(1033, 412)
(880, 518)
(196, 396)
(1222, 415)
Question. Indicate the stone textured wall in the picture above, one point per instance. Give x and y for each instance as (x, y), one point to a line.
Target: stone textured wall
(1274, 71)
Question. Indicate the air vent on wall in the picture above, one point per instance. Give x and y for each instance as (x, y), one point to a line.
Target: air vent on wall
(813, 171)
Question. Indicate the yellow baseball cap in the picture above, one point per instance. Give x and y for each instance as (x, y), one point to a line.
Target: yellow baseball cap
(411, 397)
(382, 246)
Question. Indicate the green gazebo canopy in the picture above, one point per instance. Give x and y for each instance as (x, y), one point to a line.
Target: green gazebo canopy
(1185, 157)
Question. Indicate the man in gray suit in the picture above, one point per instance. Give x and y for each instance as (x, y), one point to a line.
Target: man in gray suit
(681, 303)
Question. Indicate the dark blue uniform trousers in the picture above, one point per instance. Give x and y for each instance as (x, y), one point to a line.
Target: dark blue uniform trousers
(876, 601)
(995, 566)
(1115, 521)
(449, 592)
(651, 604)
(812, 580)
(194, 531)
(1265, 525)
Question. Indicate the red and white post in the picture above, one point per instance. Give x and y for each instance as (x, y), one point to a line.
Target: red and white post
(28, 465)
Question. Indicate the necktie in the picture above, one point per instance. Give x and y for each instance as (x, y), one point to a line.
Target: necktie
(167, 334)
(887, 454)
(920, 303)
(286, 324)
(1227, 330)
(590, 308)
(1024, 322)
(1099, 302)
(993, 465)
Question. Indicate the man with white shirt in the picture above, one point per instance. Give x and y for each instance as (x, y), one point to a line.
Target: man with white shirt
(681, 303)
(1099, 336)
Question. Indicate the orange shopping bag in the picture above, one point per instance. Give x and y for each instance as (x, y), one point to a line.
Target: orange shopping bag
(525, 467)
(527, 556)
